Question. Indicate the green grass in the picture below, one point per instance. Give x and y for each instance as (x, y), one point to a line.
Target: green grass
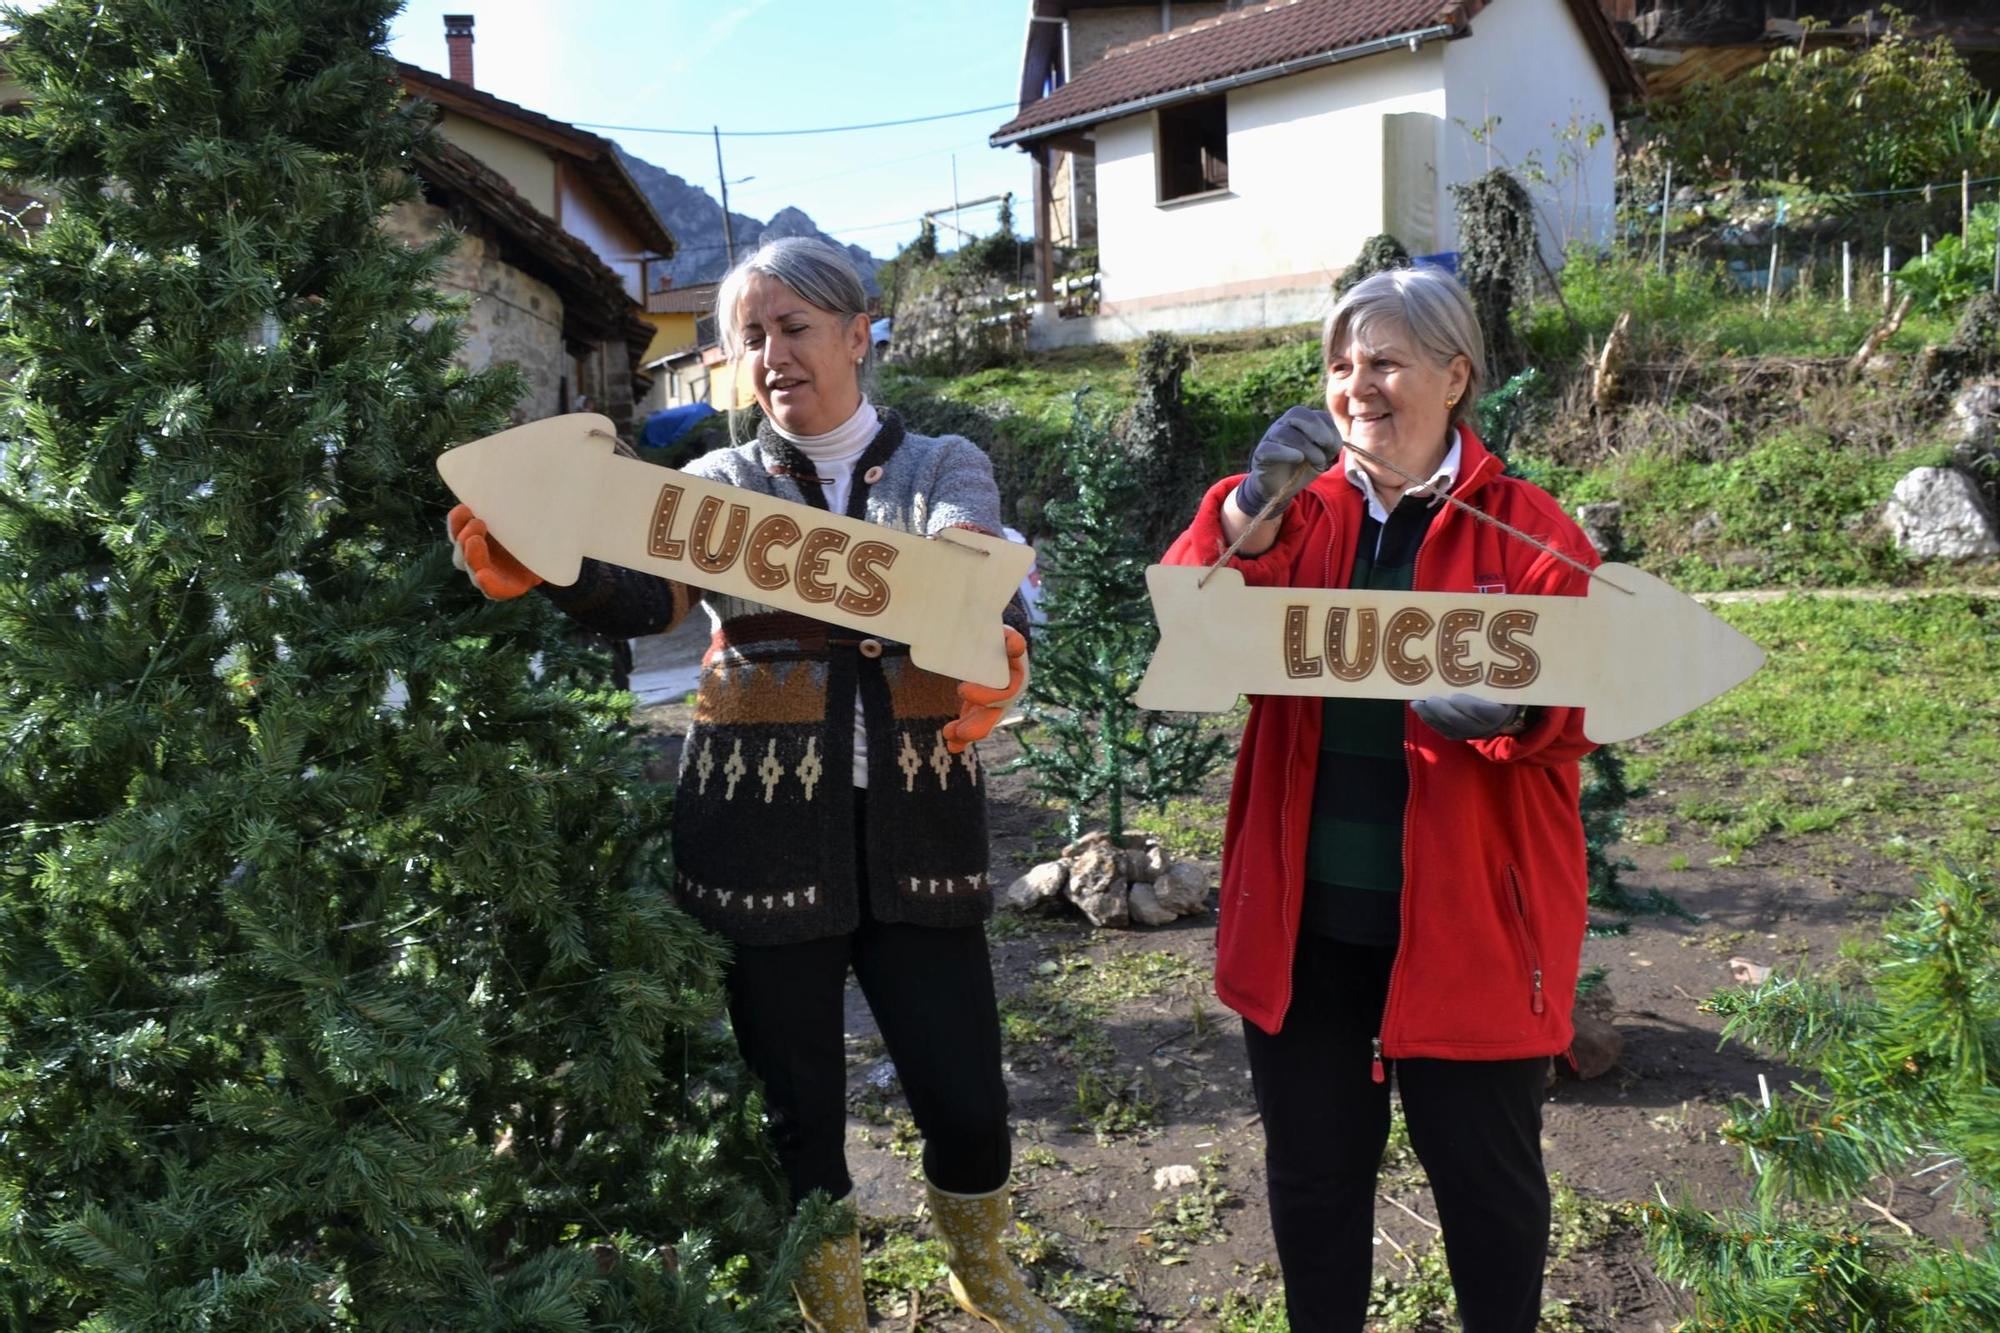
(1064, 1015)
(1188, 826)
(1791, 507)
(1697, 310)
(1876, 720)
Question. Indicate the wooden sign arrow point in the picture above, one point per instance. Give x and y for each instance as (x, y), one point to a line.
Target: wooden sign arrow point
(534, 486)
(1662, 655)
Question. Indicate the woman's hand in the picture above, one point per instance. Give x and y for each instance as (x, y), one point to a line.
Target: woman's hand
(980, 706)
(1304, 438)
(490, 566)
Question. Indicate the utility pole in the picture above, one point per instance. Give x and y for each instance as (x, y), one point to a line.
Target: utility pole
(722, 180)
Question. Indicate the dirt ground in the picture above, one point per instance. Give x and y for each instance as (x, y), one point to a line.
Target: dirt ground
(1094, 1122)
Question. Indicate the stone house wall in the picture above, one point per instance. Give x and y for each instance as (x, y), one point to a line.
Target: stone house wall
(514, 319)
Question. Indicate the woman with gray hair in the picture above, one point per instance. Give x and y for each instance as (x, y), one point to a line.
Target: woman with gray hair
(1402, 885)
(801, 832)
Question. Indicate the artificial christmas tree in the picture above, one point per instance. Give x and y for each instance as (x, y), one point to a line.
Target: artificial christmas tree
(1095, 746)
(1907, 1079)
(337, 983)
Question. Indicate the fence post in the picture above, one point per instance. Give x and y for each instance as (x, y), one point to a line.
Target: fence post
(1771, 280)
(1666, 202)
(1924, 247)
(1965, 205)
(1846, 277)
(1996, 263)
(1885, 279)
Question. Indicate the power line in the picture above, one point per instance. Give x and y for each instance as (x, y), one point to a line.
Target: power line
(868, 166)
(786, 134)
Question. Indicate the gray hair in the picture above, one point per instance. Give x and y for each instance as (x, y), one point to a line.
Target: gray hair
(820, 274)
(1429, 303)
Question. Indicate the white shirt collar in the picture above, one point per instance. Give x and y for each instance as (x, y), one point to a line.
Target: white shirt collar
(1440, 481)
(844, 442)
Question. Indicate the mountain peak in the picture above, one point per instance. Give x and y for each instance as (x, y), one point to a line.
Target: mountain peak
(693, 216)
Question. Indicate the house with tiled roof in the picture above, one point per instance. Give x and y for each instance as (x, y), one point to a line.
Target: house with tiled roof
(1228, 159)
(559, 249)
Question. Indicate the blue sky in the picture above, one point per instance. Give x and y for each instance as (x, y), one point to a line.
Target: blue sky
(769, 65)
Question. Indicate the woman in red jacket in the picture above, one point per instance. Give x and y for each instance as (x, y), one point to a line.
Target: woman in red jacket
(1402, 886)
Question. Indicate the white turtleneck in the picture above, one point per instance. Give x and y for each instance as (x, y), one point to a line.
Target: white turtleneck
(833, 453)
(833, 456)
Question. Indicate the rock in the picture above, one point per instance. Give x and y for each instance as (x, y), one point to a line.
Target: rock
(1145, 908)
(1143, 863)
(1178, 1176)
(1094, 838)
(1597, 1046)
(1748, 973)
(1603, 523)
(1183, 889)
(1040, 890)
(1096, 887)
(1975, 412)
(1706, 528)
(1598, 1002)
(1936, 513)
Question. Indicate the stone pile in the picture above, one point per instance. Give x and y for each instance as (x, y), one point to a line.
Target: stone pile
(1947, 513)
(1133, 882)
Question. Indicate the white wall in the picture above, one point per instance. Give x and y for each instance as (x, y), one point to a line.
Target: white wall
(1305, 185)
(1527, 64)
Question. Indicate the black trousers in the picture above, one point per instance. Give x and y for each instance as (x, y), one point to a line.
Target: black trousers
(1475, 1126)
(931, 991)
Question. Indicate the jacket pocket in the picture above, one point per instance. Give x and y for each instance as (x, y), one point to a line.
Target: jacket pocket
(1516, 912)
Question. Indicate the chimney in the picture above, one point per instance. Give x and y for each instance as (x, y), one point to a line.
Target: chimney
(458, 41)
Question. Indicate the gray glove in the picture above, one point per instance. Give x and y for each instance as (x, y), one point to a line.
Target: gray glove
(1466, 717)
(1304, 437)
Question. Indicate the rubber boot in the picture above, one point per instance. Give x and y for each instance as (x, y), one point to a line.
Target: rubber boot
(984, 1281)
(829, 1287)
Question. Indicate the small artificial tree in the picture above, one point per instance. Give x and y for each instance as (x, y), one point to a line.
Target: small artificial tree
(338, 986)
(1907, 1070)
(1099, 749)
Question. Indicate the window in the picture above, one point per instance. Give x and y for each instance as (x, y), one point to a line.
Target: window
(1193, 148)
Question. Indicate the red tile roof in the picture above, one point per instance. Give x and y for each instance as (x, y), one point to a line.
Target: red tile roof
(1267, 41)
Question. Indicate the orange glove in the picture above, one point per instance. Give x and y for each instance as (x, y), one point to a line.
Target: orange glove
(485, 561)
(981, 706)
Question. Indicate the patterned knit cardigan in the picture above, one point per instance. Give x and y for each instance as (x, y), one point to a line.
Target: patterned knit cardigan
(764, 813)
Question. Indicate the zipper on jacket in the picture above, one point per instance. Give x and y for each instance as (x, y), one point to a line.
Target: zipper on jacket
(1403, 907)
(1285, 881)
(1526, 939)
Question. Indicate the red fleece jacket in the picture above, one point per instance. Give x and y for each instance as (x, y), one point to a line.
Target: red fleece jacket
(1493, 861)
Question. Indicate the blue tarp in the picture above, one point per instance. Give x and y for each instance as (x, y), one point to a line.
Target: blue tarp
(664, 427)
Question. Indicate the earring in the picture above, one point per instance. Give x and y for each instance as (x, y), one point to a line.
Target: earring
(1451, 402)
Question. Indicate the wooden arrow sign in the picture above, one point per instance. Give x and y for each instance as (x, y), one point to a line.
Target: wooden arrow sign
(1632, 660)
(554, 492)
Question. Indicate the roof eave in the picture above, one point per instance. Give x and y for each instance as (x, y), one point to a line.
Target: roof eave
(1414, 38)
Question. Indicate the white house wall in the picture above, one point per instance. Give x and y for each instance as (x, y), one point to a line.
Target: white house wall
(1527, 65)
(1305, 190)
